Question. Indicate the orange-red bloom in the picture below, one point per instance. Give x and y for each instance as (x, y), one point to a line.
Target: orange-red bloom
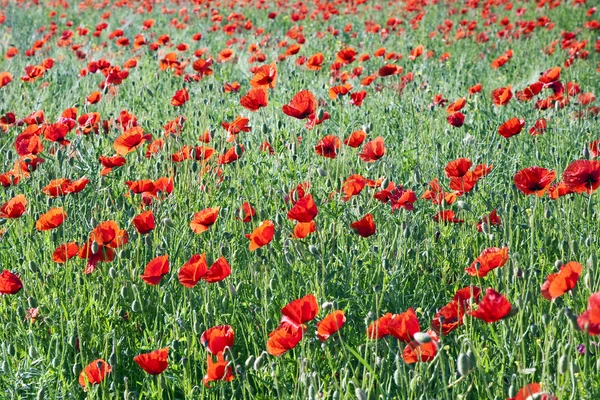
(155, 362)
(365, 227)
(534, 180)
(582, 176)
(94, 373)
(493, 307)
(51, 219)
(156, 269)
(9, 283)
(218, 338)
(330, 324)
(202, 220)
(561, 282)
(262, 235)
(14, 207)
(489, 259)
(373, 150)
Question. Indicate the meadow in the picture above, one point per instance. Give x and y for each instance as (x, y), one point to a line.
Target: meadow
(312, 200)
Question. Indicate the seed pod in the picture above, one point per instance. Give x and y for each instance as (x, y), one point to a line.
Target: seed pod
(135, 306)
(563, 364)
(463, 364)
(360, 394)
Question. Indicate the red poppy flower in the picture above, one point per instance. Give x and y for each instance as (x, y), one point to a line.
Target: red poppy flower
(329, 325)
(458, 168)
(502, 96)
(284, 338)
(265, 77)
(262, 235)
(582, 176)
(93, 98)
(232, 154)
(489, 259)
(155, 362)
(352, 186)
(240, 124)
(144, 222)
(589, 320)
(450, 317)
(5, 78)
(302, 105)
(365, 227)
(534, 180)
(300, 310)
(533, 391)
(328, 146)
(512, 127)
(255, 99)
(180, 97)
(402, 198)
(389, 69)
(156, 269)
(456, 120)
(421, 352)
(357, 98)
(491, 219)
(456, 106)
(493, 307)
(217, 371)
(218, 271)
(337, 91)
(94, 373)
(303, 229)
(202, 220)
(551, 75)
(561, 282)
(404, 325)
(373, 150)
(379, 328)
(111, 162)
(193, 270)
(9, 283)
(51, 220)
(130, 140)
(475, 89)
(14, 207)
(447, 216)
(315, 61)
(539, 127)
(218, 339)
(305, 210)
(246, 212)
(436, 194)
(65, 252)
(355, 139)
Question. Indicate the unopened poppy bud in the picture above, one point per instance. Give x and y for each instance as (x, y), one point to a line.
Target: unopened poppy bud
(32, 302)
(112, 359)
(586, 153)
(592, 262)
(249, 361)
(10, 349)
(545, 319)
(513, 311)
(397, 377)
(463, 364)
(384, 183)
(259, 362)
(313, 250)
(265, 128)
(563, 364)
(558, 264)
(148, 240)
(21, 312)
(463, 205)
(320, 114)
(485, 227)
(2, 221)
(168, 222)
(321, 172)
(112, 272)
(422, 337)
(76, 368)
(95, 247)
(55, 362)
(572, 317)
(232, 290)
(135, 306)
(360, 394)
(512, 391)
(33, 266)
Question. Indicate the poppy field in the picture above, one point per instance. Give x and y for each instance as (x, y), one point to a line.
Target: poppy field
(346, 199)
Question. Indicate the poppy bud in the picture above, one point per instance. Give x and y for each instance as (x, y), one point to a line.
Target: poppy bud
(512, 391)
(545, 319)
(125, 292)
(414, 382)
(10, 349)
(95, 247)
(321, 172)
(586, 153)
(266, 129)
(335, 395)
(463, 364)
(72, 340)
(313, 250)
(21, 312)
(2, 221)
(558, 264)
(94, 221)
(147, 241)
(135, 306)
(463, 205)
(563, 364)
(112, 273)
(422, 337)
(320, 114)
(112, 359)
(33, 267)
(32, 302)
(32, 352)
(249, 361)
(232, 290)
(592, 262)
(513, 311)
(55, 362)
(360, 394)
(259, 362)
(168, 222)
(572, 317)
